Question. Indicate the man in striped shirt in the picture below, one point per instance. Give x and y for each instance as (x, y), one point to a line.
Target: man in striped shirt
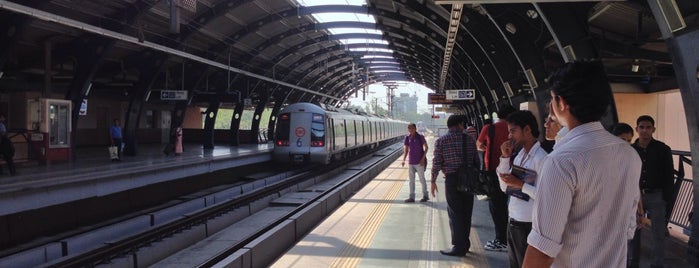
(448, 157)
(587, 191)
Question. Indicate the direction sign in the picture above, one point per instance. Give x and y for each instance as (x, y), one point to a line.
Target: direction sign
(173, 95)
(461, 94)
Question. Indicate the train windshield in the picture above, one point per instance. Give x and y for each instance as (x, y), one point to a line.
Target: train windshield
(283, 127)
(317, 131)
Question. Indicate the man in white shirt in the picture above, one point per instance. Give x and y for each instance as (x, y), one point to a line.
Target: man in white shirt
(524, 132)
(585, 205)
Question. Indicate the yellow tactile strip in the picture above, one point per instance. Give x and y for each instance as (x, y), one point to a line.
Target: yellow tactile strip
(353, 251)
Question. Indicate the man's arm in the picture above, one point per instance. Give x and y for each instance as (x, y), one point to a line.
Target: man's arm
(482, 138)
(533, 258)
(668, 173)
(406, 148)
(425, 147)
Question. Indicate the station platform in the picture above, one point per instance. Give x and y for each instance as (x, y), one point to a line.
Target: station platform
(376, 228)
(93, 173)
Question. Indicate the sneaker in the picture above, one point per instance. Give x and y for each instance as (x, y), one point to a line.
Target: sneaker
(424, 199)
(495, 245)
(410, 200)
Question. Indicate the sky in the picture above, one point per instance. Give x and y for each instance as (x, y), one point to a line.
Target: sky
(378, 91)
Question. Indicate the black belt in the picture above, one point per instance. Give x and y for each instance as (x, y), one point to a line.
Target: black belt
(513, 222)
(651, 190)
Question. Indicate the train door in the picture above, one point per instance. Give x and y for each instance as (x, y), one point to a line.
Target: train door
(330, 135)
(300, 133)
(363, 134)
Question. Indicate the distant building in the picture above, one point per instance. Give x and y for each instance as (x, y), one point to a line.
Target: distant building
(404, 105)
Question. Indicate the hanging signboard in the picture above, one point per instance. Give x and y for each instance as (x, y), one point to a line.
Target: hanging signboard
(437, 98)
(173, 95)
(461, 94)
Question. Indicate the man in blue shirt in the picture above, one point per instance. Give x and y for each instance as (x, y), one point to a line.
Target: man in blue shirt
(116, 137)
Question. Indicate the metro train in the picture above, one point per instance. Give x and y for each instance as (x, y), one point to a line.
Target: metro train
(305, 132)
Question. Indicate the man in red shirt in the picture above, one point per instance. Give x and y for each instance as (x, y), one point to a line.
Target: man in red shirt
(497, 199)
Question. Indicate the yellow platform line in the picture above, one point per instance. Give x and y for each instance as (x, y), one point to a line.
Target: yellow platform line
(352, 253)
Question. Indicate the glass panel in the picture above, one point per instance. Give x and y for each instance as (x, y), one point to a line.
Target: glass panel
(58, 125)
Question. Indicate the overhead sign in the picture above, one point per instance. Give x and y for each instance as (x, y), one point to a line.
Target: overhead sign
(173, 95)
(436, 98)
(461, 94)
(83, 108)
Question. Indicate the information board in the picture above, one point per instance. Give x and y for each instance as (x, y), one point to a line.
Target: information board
(173, 95)
(437, 98)
(461, 94)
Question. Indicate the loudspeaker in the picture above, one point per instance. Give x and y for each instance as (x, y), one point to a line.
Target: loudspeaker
(669, 17)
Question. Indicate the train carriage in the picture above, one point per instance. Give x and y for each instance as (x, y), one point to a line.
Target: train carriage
(306, 132)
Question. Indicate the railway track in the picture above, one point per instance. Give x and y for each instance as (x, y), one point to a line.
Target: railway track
(322, 188)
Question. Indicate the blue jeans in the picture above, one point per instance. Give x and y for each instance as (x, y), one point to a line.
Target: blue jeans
(420, 170)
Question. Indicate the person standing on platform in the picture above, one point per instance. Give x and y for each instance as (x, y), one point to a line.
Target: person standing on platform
(116, 138)
(490, 141)
(585, 207)
(449, 153)
(524, 133)
(471, 131)
(552, 127)
(178, 141)
(656, 183)
(415, 148)
(6, 148)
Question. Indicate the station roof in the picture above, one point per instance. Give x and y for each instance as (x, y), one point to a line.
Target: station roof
(320, 51)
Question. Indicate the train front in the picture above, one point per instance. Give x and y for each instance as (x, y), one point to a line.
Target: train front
(300, 135)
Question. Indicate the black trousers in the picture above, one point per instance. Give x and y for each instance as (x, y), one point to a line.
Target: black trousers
(517, 233)
(460, 209)
(498, 211)
(10, 163)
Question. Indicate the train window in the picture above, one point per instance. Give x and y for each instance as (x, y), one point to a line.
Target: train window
(283, 128)
(317, 131)
(350, 133)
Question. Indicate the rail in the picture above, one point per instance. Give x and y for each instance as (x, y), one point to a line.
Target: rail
(680, 207)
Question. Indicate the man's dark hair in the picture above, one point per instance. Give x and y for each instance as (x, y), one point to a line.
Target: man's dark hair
(505, 110)
(412, 125)
(585, 88)
(645, 118)
(523, 119)
(454, 120)
(621, 128)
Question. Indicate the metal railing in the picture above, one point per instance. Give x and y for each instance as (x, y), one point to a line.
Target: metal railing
(683, 202)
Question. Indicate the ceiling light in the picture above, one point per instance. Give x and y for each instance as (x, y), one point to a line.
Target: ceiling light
(532, 14)
(511, 28)
(635, 66)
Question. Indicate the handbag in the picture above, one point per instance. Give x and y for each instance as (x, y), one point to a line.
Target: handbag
(114, 152)
(471, 178)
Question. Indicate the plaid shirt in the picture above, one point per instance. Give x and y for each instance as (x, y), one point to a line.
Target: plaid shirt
(448, 153)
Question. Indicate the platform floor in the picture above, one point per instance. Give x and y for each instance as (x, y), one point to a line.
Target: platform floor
(375, 228)
(95, 160)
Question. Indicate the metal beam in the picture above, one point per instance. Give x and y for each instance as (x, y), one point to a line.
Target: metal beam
(42, 15)
(465, 2)
(454, 24)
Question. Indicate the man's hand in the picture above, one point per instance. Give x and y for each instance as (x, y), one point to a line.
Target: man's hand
(402, 164)
(506, 148)
(423, 162)
(511, 181)
(433, 188)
